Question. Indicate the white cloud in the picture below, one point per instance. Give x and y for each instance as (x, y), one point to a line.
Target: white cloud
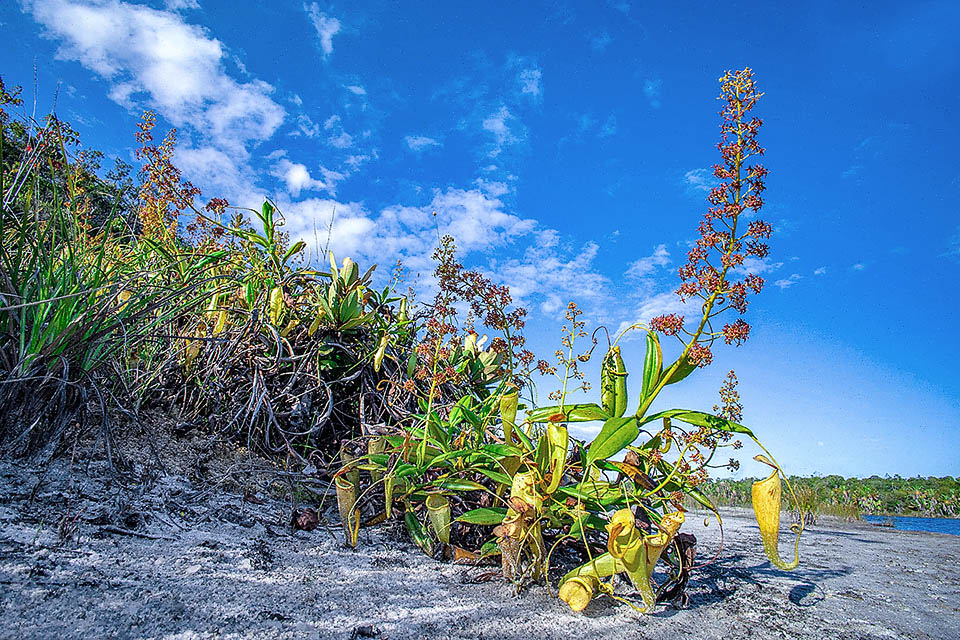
(700, 180)
(492, 188)
(338, 138)
(757, 266)
(326, 27)
(553, 275)
(651, 89)
(644, 267)
(357, 90)
(609, 127)
(419, 143)
(478, 221)
(953, 245)
(154, 57)
(497, 124)
(859, 266)
(786, 283)
(530, 82)
(342, 140)
(600, 41)
(177, 5)
(297, 177)
(307, 126)
(218, 173)
(819, 271)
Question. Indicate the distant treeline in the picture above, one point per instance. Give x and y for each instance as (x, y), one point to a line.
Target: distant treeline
(852, 497)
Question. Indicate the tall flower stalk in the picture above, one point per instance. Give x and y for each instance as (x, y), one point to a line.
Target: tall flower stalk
(728, 237)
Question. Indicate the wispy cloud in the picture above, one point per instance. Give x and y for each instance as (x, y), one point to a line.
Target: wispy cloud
(700, 180)
(757, 266)
(326, 27)
(587, 124)
(609, 127)
(620, 5)
(859, 266)
(645, 266)
(356, 90)
(179, 5)
(600, 41)
(819, 271)
(550, 275)
(651, 89)
(419, 143)
(953, 245)
(337, 137)
(786, 283)
(499, 124)
(530, 82)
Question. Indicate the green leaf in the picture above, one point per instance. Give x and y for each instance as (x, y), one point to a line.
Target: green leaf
(586, 412)
(411, 364)
(458, 484)
(616, 434)
(700, 419)
(596, 491)
(299, 246)
(685, 369)
(485, 515)
(267, 218)
(502, 450)
(652, 365)
(496, 476)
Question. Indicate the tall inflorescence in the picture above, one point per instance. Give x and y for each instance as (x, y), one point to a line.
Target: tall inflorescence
(727, 234)
(163, 193)
(488, 304)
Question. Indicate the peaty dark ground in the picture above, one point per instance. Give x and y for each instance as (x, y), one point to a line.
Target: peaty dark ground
(218, 566)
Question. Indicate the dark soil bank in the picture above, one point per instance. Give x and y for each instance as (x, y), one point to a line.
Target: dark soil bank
(84, 558)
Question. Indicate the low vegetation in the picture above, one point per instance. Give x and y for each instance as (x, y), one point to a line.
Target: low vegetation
(853, 497)
(120, 299)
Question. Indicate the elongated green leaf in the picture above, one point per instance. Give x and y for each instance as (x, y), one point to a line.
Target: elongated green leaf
(652, 365)
(524, 440)
(496, 476)
(411, 364)
(586, 412)
(685, 369)
(458, 484)
(486, 515)
(700, 419)
(446, 457)
(297, 247)
(595, 491)
(616, 434)
(508, 414)
(502, 450)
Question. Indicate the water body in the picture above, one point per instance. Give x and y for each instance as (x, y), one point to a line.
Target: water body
(907, 523)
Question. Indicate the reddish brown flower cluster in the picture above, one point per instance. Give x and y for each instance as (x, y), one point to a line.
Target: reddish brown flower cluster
(724, 244)
(163, 194)
(573, 329)
(488, 303)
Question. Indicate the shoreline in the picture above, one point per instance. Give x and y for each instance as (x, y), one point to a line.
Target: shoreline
(167, 561)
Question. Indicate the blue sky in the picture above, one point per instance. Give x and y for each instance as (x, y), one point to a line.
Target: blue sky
(567, 147)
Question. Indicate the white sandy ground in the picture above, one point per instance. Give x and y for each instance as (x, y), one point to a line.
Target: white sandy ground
(225, 568)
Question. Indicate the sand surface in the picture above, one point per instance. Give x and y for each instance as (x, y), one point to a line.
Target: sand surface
(217, 566)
